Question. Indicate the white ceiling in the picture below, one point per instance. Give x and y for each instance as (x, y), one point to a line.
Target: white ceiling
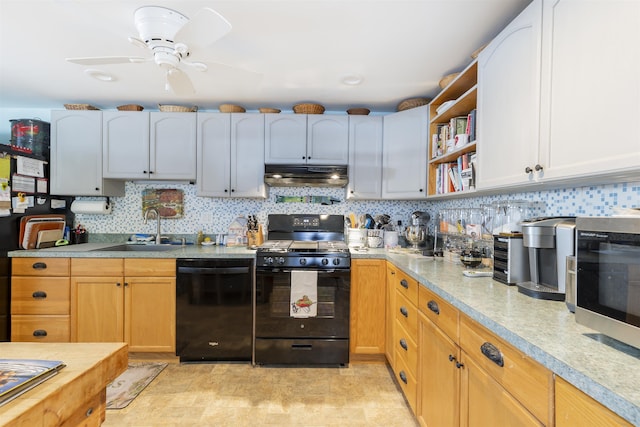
(300, 50)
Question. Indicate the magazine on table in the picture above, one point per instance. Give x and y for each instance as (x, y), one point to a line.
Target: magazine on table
(17, 376)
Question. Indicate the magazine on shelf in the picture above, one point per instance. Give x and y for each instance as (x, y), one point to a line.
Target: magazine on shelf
(17, 376)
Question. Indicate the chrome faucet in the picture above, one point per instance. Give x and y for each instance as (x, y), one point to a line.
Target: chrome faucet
(146, 216)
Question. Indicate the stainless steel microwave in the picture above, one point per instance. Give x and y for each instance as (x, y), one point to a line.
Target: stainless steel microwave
(608, 276)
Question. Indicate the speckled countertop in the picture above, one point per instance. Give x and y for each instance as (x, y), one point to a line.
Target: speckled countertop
(603, 368)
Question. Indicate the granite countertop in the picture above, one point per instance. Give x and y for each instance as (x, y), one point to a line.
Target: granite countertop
(93, 250)
(603, 368)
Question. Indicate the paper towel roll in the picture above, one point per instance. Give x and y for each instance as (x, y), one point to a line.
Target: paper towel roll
(99, 207)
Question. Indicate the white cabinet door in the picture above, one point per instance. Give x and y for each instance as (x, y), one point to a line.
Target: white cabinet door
(172, 148)
(404, 154)
(508, 103)
(590, 88)
(76, 155)
(285, 138)
(247, 155)
(214, 152)
(365, 157)
(327, 140)
(125, 144)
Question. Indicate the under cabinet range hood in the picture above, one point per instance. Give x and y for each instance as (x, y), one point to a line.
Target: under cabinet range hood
(305, 175)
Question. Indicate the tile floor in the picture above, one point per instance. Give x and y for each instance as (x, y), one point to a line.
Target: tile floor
(364, 394)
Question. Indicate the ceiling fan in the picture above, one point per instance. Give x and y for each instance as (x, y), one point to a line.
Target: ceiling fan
(170, 36)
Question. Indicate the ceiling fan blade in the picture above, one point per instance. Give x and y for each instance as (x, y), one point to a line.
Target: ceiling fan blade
(179, 82)
(206, 27)
(104, 60)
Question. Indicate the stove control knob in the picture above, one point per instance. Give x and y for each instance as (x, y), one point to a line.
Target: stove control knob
(336, 261)
(268, 261)
(303, 261)
(325, 261)
(280, 260)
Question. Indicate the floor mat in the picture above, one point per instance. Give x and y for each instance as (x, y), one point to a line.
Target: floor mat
(130, 383)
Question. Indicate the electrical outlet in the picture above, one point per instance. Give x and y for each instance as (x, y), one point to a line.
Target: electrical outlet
(206, 218)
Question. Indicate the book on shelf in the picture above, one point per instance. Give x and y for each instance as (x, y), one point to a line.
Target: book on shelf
(471, 125)
(17, 376)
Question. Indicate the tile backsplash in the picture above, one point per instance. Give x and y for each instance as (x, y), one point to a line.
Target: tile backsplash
(214, 215)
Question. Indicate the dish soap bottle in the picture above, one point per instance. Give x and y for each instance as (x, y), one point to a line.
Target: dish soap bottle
(200, 238)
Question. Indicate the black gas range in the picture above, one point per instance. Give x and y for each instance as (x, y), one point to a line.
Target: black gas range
(308, 241)
(315, 329)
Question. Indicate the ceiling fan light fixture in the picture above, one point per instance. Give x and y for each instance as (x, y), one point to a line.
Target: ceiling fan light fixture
(100, 75)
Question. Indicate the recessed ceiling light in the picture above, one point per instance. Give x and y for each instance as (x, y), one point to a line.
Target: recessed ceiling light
(100, 75)
(352, 79)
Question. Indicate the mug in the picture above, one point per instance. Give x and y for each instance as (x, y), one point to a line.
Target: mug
(461, 139)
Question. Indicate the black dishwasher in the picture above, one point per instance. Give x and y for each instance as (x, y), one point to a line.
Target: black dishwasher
(214, 314)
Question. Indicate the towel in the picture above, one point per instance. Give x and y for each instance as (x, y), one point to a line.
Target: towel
(304, 294)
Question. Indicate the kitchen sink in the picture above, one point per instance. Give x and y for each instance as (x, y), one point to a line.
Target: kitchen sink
(140, 248)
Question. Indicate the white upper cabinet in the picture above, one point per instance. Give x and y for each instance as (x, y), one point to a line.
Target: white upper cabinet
(172, 146)
(231, 155)
(327, 139)
(125, 144)
(76, 155)
(306, 139)
(555, 90)
(590, 88)
(508, 102)
(157, 145)
(404, 154)
(365, 157)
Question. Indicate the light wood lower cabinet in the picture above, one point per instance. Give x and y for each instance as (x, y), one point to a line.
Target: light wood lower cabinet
(367, 325)
(130, 300)
(40, 300)
(467, 376)
(575, 408)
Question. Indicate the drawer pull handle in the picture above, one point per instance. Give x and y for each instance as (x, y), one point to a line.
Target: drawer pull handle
(306, 347)
(39, 333)
(404, 284)
(433, 306)
(492, 353)
(404, 311)
(403, 377)
(403, 344)
(89, 412)
(39, 265)
(39, 294)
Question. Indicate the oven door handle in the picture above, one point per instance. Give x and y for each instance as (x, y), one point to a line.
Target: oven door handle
(277, 270)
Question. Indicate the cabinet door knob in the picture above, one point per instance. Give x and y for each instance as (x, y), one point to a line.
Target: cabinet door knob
(538, 168)
(39, 294)
(459, 365)
(433, 306)
(451, 358)
(492, 353)
(145, 172)
(528, 170)
(118, 284)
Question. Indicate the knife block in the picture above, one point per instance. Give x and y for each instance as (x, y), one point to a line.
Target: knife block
(255, 238)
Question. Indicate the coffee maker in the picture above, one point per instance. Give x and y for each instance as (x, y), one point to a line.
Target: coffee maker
(549, 242)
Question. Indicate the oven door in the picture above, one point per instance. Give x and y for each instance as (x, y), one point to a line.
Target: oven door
(608, 283)
(272, 309)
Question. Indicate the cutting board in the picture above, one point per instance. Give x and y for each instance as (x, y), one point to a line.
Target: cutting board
(48, 238)
(31, 225)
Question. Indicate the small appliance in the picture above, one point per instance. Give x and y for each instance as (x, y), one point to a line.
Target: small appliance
(416, 233)
(608, 276)
(549, 242)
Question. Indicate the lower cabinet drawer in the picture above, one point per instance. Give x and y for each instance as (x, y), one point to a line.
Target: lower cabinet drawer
(406, 348)
(40, 328)
(407, 315)
(35, 295)
(407, 382)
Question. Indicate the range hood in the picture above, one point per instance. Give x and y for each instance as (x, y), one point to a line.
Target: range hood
(305, 175)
